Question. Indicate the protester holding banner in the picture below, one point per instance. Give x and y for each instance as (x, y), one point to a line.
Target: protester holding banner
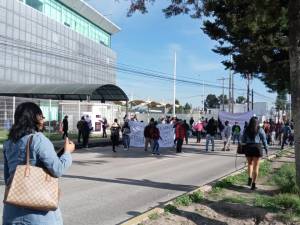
(147, 136)
(125, 136)
(155, 136)
(252, 137)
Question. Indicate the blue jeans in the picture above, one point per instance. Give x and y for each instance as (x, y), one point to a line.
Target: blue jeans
(236, 137)
(126, 141)
(208, 139)
(155, 147)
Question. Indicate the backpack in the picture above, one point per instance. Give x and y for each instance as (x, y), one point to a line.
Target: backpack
(126, 130)
(115, 131)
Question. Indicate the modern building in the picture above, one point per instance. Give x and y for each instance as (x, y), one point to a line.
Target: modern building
(54, 41)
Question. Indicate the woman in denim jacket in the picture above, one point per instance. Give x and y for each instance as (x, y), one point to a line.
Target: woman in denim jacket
(252, 137)
(29, 121)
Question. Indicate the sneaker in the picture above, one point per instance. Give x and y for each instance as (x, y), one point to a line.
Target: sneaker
(253, 186)
(157, 154)
(227, 149)
(223, 149)
(125, 149)
(145, 150)
(114, 150)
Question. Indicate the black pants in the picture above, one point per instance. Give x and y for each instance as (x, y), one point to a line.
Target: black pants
(65, 134)
(284, 139)
(198, 136)
(104, 132)
(115, 142)
(85, 137)
(179, 145)
(79, 136)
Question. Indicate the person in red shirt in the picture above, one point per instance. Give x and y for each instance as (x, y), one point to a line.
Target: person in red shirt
(180, 135)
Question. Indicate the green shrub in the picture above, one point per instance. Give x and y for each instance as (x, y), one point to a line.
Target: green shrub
(171, 209)
(235, 199)
(265, 168)
(265, 202)
(184, 200)
(153, 216)
(197, 197)
(232, 180)
(285, 178)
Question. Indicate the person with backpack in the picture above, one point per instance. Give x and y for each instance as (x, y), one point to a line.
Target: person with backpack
(236, 132)
(252, 138)
(147, 137)
(211, 130)
(115, 134)
(125, 135)
(80, 126)
(155, 136)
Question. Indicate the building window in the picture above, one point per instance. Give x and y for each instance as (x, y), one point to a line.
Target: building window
(37, 4)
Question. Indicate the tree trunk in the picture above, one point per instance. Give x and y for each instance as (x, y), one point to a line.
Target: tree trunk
(294, 57)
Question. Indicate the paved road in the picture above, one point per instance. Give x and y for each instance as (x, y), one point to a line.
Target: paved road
(105, 188)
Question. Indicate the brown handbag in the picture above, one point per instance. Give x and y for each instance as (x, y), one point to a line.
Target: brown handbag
(33, 187)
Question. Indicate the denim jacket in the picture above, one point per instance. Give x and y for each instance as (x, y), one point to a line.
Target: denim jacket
(42, 154)
(260, 137)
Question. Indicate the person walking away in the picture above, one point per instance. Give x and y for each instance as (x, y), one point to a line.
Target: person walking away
(227, 136)
(126, 135)
(267, 130)
(187, 130)
(28, 121)
(65, 127)
(155, 136)
(85, 133)
(286, 132)
(104, 126)
(211, 130)
(192, 122)
(252, 138)
(180, 135)
(198, 127)
(147, 137)
(236, 132)
(115, 134)
(80, 126)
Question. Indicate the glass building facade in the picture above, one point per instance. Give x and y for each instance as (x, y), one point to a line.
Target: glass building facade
(62, 14)
(48, 42)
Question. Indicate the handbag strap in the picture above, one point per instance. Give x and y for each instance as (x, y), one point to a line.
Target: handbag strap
(29, 142)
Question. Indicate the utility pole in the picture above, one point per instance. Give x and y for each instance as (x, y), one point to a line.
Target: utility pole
(252, 99)
(223, 83)
(230, 84)
(174, 87)
(232, 93)
(248, 91)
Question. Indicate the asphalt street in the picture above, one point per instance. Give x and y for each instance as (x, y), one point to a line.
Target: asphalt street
(106, 188)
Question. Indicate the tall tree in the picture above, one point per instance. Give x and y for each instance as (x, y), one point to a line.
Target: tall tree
(240, 100)
(212, 101)
(281, 101)
(187, 108)
(263, 36)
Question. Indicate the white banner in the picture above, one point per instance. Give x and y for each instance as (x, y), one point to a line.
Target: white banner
(166, 134)
(137, 134)
(241, 118)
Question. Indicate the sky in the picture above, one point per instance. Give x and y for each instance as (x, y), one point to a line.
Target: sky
(150, 41)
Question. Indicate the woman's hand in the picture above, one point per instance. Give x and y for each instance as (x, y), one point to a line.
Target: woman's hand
(69, 146)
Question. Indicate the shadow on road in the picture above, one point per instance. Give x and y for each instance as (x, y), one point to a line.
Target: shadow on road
(144, 183)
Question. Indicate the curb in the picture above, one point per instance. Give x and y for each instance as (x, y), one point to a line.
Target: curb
(205, 189)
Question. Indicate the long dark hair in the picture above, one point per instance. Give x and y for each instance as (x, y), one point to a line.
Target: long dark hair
(252, 128)
(26, 120)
